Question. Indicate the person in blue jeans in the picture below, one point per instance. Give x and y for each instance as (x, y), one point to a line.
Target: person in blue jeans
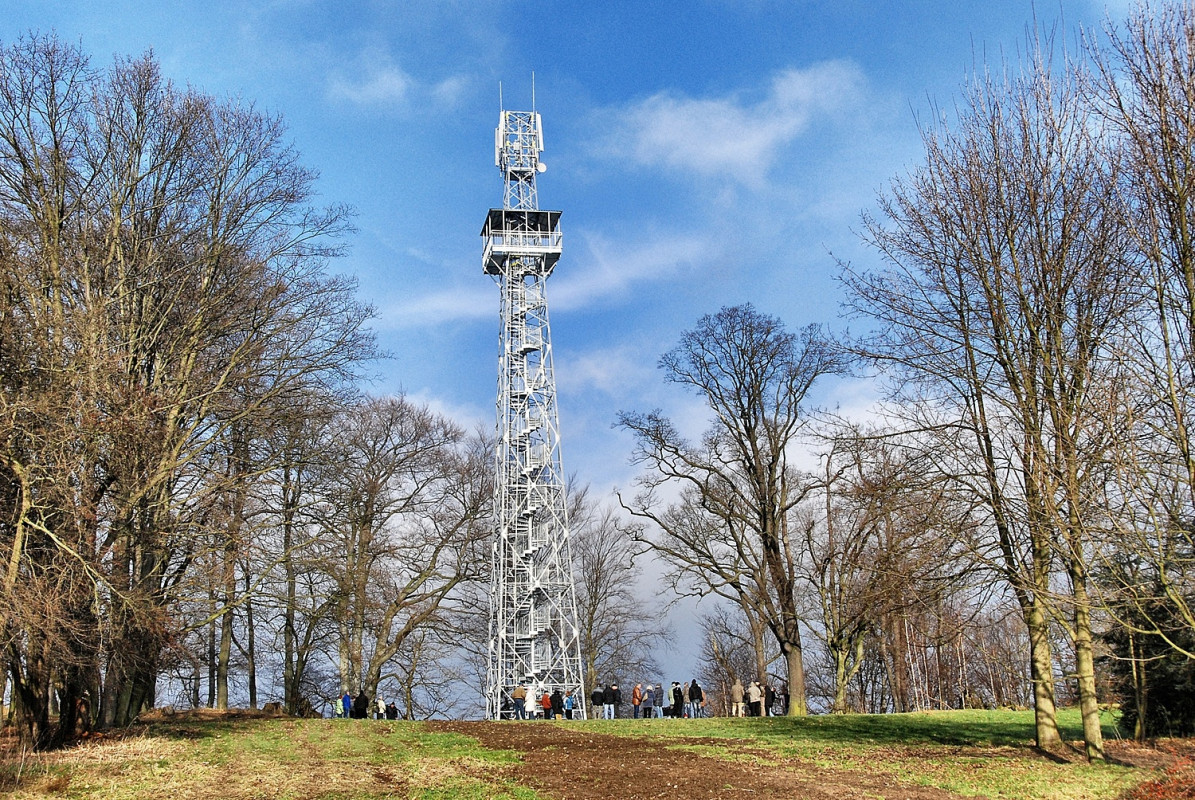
(696, 700)
(519, 696)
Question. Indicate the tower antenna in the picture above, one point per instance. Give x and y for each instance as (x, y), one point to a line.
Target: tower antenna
(534, 641)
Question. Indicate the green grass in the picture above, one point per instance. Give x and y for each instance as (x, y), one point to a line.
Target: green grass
(955, 728)
(269, 758)
(972, 753)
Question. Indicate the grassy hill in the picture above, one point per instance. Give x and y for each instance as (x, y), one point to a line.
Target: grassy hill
(924, 756)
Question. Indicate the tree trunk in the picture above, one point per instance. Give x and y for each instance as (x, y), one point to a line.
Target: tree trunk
(290, 675)
(224, 656)
(1140, 692)
(796, 681)
(1041, 669)
(1093, 736)
(250, 647)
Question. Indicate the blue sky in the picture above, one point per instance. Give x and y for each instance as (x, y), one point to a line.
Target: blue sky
(704, 153)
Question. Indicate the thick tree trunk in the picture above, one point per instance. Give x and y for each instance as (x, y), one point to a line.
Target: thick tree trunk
(30, 694)
(796, 680)
(131, 680)
(1093, 736)
(1041, 673)
(224, 656)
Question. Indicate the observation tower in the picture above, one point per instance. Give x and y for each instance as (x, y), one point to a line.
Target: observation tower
(534, 640)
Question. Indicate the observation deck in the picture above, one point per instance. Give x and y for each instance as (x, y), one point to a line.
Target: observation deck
(511, 233)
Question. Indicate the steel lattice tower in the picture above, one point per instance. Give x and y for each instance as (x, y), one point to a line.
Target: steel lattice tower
(534, 640)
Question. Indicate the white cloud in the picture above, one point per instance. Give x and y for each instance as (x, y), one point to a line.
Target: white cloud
(726, 136)
(610, 371)
(375, 79)
(438, 308)
(449, 91)
(602, 269)
(469, 416)
(606, 267)
(375, 82)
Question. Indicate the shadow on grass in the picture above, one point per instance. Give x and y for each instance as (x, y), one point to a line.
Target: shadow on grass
(203, 723)
(950, 728)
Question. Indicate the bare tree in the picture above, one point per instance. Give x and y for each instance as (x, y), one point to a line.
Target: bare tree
(622, 634)
(1145, 90)
(1005, 289)
(407, 502)
(880, 535)
(165, 277)
(754, 376)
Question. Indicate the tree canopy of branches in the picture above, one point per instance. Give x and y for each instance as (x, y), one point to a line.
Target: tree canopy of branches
(622, 634)
(1144, 91)
(879, 536)
(407, 505)
(729, 532)
(164, 294)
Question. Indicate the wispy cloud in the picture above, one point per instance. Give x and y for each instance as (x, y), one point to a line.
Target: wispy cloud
(610, 371)
(376, 79)
(438, 308)
(376, 85)
(601, 267)
(732, 137)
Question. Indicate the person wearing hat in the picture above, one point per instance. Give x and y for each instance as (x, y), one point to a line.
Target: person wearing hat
(519, 696)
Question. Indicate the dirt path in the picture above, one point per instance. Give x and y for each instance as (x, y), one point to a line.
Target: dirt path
(579, 765)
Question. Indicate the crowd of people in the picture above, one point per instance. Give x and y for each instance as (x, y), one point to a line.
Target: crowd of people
(679, 700)
(548, 705)
(756, 699)
(687, 700)
(361, 707)
(649, 700)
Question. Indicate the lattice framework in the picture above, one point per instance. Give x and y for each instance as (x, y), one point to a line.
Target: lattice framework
(534, 640)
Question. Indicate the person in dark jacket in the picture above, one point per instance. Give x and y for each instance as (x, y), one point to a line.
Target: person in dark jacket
(361, 706)
(696, 700)
(596, 699)
(678, 700)
(557, 704)
(608, 701)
